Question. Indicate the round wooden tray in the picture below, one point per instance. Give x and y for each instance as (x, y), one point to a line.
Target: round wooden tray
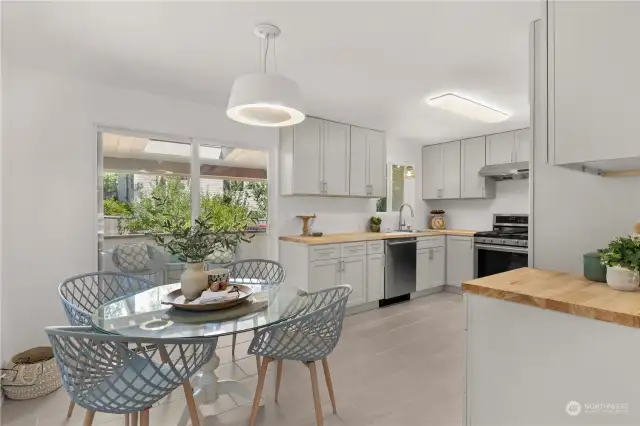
(177, 300)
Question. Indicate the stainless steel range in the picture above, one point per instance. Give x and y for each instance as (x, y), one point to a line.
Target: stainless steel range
(504, 248)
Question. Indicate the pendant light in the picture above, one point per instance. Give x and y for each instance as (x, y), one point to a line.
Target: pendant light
(265, 99)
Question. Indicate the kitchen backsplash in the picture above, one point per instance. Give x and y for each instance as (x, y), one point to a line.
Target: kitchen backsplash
(512, 196)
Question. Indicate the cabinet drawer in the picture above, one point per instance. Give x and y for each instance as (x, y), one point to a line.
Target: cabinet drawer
(430, 242)
(324, 252)
(375, 247)
(354, 249)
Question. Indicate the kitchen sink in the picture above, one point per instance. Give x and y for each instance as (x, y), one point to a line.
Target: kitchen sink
(413, 231)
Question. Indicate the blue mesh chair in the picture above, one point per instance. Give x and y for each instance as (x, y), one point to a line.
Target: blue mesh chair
(101, 373)
(309, 337)
(141, 259)
(84, 294)
(254, 271)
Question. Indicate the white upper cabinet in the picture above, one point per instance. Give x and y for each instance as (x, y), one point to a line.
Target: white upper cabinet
(472, 160)
(321, 157)
(303, 144)
(358, 183)
(594, 82)
(377, 159)
(336, 146)
(451, 170)
(432, 172)
(441, 171)
(368, 163)
(500, 148)
(523, 139)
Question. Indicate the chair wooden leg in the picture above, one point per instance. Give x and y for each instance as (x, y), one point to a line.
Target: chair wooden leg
(70, 410)
(144, 418)
(262, 374)
(316, 392)
(233, 345)
(126, 419)
(278, 378)
(191, 403)
(327, 376)
(88, 418)
(134, 419)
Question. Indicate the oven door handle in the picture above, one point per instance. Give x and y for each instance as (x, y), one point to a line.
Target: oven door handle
(509, 249)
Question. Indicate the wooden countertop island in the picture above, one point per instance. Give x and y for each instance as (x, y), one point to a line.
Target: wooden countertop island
(372, 236)
(562, 292)
(565, 352)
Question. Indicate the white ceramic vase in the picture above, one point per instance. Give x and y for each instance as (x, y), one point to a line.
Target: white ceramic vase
(622, 278)
(194, 280)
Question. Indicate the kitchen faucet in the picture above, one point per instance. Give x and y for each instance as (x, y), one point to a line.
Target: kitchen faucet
(401, 223)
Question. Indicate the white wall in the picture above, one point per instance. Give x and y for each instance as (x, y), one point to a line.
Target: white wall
(511, 197)
(49, 135)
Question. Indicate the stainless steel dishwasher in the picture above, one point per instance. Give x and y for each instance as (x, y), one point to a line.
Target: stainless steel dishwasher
(400, 271)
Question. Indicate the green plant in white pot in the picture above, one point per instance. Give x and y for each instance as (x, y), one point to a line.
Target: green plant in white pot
(622, 259)
(193, 244)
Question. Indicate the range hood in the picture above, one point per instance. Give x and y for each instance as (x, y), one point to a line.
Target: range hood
(513, 171)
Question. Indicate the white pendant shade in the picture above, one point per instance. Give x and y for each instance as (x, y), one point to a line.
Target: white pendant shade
(269, 100)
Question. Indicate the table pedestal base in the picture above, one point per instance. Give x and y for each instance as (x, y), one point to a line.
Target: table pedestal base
(207, 388)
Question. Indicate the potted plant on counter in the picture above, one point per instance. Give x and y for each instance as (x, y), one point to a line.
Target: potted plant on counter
(374, 223)
(193, 244)
(622, 259)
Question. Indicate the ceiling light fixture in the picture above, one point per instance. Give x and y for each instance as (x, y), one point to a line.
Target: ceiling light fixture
(265, 99)
(468, 108)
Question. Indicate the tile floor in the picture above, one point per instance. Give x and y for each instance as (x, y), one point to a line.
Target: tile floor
(400, 365)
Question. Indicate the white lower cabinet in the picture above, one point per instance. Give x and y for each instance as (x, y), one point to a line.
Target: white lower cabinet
(375, 277)
(430, 268)
(353, 271)
(324, 274)
(459, 260)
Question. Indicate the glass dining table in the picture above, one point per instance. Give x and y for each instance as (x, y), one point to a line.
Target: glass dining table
(144, 315)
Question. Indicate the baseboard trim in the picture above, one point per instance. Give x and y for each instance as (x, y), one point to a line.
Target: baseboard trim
(453, 289)
(427, 292)
(351, 310)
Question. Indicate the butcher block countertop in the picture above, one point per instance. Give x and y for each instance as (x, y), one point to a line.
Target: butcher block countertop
(562, 292)
(371, 236)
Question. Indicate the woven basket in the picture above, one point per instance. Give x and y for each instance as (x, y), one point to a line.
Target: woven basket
(31, 374)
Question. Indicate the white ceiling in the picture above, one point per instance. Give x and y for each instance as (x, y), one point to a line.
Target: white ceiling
(369, 63)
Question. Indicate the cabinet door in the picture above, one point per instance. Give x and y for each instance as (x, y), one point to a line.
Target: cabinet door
(336, 158)
(358, 184)
(523, 144)
(377, 162)
(307, 157)
(593, 69)
(375, 277)
(422, 269)
(459, 260)
(451, 170)
(500, 148)
(473, 159)
(324, 274)
(354, 273)
(431, 171)
(436, 267)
